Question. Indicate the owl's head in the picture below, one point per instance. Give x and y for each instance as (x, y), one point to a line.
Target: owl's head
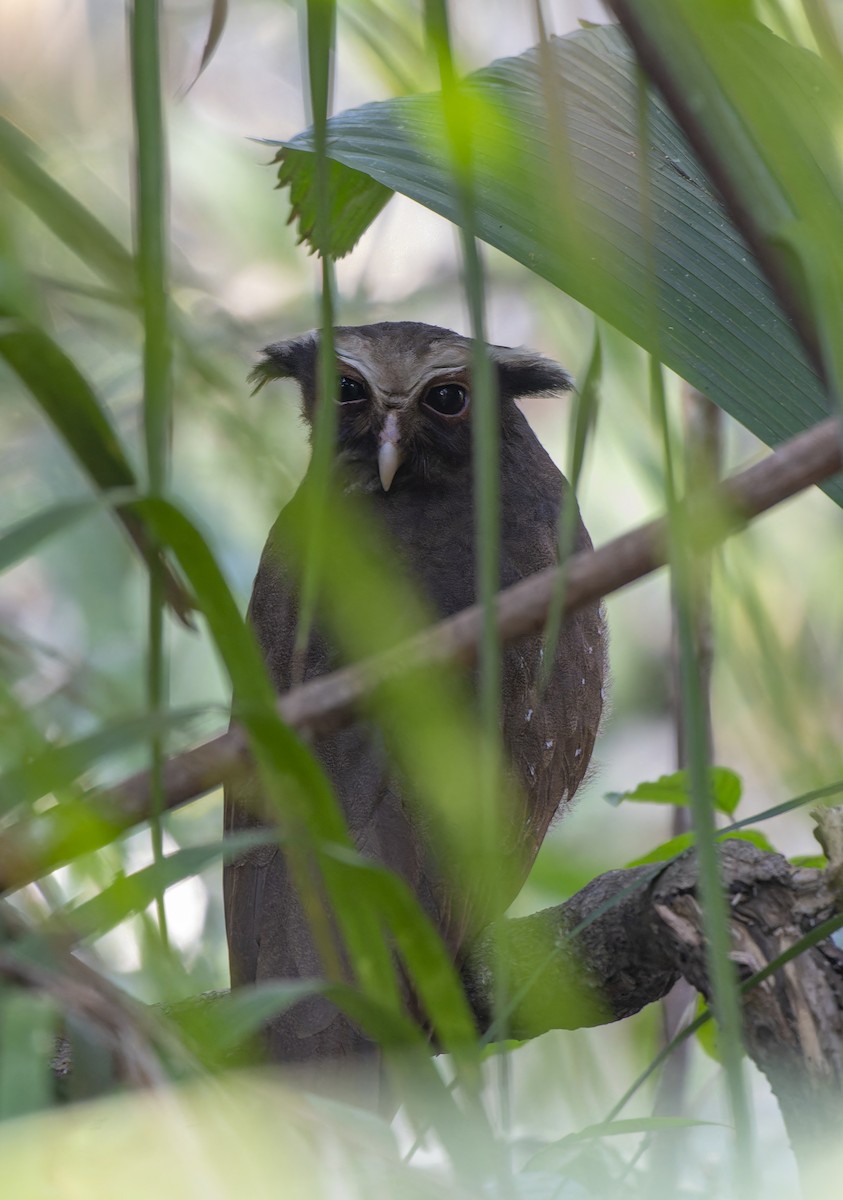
(404, 393)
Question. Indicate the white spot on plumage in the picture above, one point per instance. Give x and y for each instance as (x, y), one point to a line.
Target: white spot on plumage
(578, 752)
(528, 715)
(549, 744)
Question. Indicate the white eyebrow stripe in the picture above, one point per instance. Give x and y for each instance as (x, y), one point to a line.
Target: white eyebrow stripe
(349, 360)
(429, 374)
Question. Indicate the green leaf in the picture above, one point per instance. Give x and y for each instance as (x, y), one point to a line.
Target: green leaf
(219, 1026)
(68, 401)
(621, 1128)
(131, 894)
(706, 1035)
(71, 405)
(25, 537)
(424, 953)
(726, 788)
(57, 766)
(300, 788)
(768, 114)
(684, 841)
(720, 326)
(664, 852)
(755, 837)
(69, 220)
(817, 861)
(356, 199)
(27, 1032)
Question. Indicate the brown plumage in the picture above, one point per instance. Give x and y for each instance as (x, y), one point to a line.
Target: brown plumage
(404, 450)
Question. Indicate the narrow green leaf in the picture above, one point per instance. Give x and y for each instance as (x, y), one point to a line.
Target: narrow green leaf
(152, 238)
(27, 1033)
(221, 1025)
(58, 766)
(68, 401)
(26, 536)
(424, 953)
(219, 16)
(62, 213)
(294, 781)
(71, 405)
(557, 1151)
(131, 894)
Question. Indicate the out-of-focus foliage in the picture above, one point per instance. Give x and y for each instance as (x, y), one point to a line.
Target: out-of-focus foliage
(74, 697)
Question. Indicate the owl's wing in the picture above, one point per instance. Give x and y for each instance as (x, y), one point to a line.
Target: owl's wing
(269, 935)
(268, 931)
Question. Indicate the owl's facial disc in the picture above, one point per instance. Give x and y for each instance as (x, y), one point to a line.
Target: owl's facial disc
(390, 451)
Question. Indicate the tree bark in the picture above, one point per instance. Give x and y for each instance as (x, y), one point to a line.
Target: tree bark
(587, 963)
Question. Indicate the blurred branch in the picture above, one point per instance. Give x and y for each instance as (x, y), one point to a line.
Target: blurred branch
(33, 848)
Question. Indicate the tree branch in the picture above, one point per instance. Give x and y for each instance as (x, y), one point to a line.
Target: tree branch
(645, 931)
(33, 847)
(619, 945)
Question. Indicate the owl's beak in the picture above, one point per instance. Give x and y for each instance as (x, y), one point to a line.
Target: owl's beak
(390, 451)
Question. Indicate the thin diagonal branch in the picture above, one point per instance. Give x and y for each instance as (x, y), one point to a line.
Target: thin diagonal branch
(32, 848)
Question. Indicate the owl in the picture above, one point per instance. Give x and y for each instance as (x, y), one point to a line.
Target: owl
(404, 453)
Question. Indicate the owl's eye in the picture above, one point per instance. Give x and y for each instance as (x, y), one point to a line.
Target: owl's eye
(352, 390)
(447, 399)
